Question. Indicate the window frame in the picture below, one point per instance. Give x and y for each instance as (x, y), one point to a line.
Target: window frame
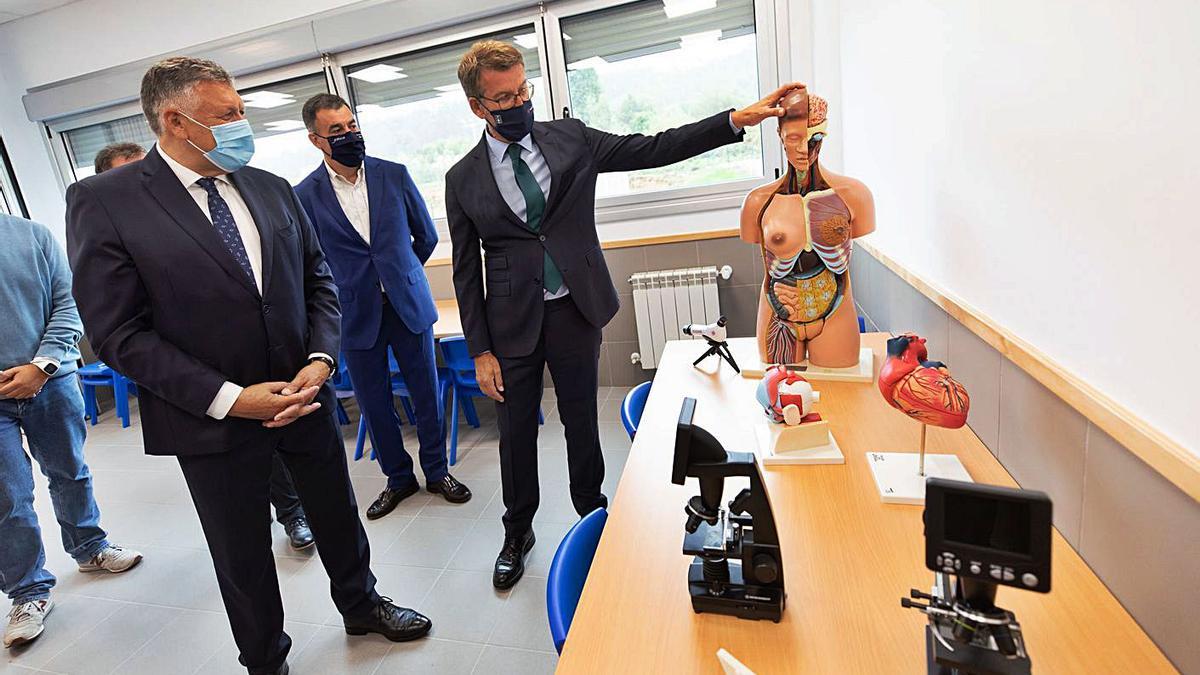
(57, 130)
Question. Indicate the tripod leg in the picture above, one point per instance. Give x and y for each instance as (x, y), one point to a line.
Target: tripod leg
(728, 356)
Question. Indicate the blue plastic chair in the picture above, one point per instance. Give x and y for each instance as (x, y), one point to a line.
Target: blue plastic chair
(98, 374)
(862, 324)
(569, 571)
(632, 407)
(460, 371)
(399, 388)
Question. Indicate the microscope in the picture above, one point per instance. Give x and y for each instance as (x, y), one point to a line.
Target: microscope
(738, 569)
(976, 538)
(716, 336)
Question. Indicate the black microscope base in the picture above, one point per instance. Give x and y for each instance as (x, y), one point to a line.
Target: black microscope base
(738, 599)
(969, 660)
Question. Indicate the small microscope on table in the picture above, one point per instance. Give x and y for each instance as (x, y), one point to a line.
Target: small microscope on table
(738, 568)
(978, 537)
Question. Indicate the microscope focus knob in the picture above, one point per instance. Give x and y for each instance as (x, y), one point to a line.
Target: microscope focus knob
(766, 570)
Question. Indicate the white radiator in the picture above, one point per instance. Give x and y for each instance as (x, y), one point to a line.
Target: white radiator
(666, 300)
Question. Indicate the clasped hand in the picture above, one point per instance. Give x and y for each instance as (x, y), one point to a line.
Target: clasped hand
(22, 382)
(279, 404)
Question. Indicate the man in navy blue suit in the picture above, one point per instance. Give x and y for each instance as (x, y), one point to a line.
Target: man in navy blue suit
(377, 235)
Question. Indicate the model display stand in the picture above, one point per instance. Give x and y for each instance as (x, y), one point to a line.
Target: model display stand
(787, 427)
(753, 368)
(923, 390)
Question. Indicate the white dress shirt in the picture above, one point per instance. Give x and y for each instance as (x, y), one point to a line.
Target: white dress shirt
(251, 241)
(353, 199)
(506, 180)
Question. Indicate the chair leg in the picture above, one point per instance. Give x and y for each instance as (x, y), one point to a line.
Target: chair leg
(453, 421)
(408, 409)
(362, 438)
(89, 404)
(469, 411)
(121, 394)
(541, 417)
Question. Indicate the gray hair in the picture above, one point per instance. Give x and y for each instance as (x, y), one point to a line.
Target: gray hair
(173, 79)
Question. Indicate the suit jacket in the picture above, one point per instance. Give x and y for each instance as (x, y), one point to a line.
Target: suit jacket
(402, 239)
(507, 320)
(164, 302)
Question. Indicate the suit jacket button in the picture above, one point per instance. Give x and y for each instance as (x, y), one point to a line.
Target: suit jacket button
(266, 309)
(542, 237)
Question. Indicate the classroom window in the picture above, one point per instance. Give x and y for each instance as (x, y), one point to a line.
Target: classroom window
(649, 66)
(280, 140)
(84, 143)
(413, 111)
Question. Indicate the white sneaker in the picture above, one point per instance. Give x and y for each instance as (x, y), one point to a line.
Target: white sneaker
(26, 622)
(113, 559)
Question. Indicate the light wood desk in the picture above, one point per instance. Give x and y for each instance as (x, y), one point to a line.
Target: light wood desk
(448, 322)
(848, 558)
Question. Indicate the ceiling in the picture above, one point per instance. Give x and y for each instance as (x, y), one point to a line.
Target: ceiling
(11, 10)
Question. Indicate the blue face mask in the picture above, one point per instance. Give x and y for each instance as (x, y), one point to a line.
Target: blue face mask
(235, 144)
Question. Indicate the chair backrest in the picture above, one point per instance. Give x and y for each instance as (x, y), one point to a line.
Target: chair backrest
(454, 351)
(341, 378)
(569, 570)
(632, 407)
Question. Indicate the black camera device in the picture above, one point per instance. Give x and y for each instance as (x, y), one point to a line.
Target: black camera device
(738, 569)
(976, 538)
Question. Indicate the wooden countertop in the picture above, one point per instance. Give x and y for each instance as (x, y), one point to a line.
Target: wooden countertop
(848, 557)
(448, 323)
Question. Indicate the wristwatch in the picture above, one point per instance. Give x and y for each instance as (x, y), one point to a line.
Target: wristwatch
(327, 361)
(47, 367)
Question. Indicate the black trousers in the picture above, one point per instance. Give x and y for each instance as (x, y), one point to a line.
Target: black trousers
(283, 493)
(570, 346)
(231, 491)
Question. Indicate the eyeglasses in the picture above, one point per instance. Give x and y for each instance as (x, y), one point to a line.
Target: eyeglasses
(509, 100)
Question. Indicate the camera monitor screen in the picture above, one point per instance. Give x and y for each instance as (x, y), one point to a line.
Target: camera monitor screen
(995, 534)
(990, 523)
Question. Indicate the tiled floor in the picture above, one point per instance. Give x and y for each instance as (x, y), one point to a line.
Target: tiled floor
(166, 616)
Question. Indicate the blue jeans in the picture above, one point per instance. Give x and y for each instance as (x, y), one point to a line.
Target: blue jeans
(53, 423)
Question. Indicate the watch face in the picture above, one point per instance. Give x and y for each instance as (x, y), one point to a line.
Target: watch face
(49, 369)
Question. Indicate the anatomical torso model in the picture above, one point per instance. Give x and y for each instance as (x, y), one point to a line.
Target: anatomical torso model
(805, 223)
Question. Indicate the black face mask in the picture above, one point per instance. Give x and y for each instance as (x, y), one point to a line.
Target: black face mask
(347, 149)
(514, 123)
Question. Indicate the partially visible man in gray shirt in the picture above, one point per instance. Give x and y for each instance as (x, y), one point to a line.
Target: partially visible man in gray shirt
(39, 395)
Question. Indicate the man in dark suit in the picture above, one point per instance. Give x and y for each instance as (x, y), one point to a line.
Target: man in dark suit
(202, 280)
(527, 194)
(377, 235)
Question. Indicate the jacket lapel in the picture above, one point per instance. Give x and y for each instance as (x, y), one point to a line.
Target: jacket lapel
(262, 220)
(486, 179)
(329, 201)
(376, 188)
(164, 186)
(555, 161)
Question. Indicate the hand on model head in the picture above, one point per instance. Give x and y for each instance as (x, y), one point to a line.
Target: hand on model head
(766, 108)
(22, 381)
(487, 374)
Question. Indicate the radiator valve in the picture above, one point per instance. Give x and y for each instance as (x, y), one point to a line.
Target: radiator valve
(635, 358)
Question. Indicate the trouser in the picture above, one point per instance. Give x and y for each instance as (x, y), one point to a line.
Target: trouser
(570, 346)
(53, 424)
(283, 493)
(371, 377)
(231, 493)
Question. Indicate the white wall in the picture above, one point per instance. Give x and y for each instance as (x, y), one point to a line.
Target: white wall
(91, 35)
(1041, 160)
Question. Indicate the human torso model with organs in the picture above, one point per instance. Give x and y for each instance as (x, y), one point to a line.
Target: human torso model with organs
(805, 223)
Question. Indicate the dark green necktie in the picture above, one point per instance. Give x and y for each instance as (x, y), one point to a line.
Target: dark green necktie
(535, 206)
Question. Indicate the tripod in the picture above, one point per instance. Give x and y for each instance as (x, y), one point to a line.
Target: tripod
(719, 348)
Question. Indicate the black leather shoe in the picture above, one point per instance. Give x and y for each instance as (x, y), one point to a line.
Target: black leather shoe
(299, 535)
(449, 487)
(398, 624)
(510, 564)
(389, 499)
